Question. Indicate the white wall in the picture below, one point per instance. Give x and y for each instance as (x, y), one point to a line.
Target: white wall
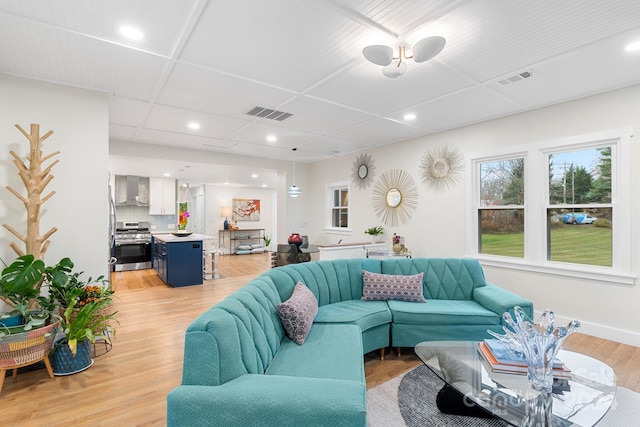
(79, 209)
(437, 228)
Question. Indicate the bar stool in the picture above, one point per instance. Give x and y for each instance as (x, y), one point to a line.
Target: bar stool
(211, 252)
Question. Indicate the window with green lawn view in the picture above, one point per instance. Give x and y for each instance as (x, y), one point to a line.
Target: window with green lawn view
(579, 210)
(501, 211)
(559, 203)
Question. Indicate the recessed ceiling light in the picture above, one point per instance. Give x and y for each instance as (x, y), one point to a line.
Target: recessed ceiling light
(194, 125)
(409, 116)
(167, 174)
(632, 47)
(226, 183)
(254, 175)
(271, 138)
(264, 185)
(131, 33)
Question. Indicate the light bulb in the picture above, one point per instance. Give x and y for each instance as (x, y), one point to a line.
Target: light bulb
(394, 70)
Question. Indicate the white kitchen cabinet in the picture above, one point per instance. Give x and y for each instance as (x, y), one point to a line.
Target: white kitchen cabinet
(162, 196)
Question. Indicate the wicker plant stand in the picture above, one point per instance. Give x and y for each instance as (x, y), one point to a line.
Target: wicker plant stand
(26, 348)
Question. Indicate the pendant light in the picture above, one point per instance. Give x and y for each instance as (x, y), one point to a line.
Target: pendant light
(294, 190)
(184, 195)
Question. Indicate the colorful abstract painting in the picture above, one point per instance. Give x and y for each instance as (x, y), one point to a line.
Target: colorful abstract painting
(246, 210)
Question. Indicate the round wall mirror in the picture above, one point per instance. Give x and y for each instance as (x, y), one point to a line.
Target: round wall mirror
(394, 198)
(363, 171)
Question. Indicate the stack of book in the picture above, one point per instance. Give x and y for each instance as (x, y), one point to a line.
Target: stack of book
(501, 359)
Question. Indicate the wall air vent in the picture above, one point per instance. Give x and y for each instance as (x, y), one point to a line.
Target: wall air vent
(267, 113)
(516, 78)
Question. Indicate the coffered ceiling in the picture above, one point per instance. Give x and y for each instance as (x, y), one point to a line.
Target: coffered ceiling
(213, 61)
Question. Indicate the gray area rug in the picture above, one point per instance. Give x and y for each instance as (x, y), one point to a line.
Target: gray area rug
(410, 400)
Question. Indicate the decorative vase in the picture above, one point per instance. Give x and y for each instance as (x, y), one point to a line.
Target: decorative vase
(183, 216)
(397, 248)
(539, 343)
(65, 363)
(296, 239)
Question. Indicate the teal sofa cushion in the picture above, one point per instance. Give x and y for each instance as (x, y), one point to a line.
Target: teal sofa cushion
(442, 312)
(330, 281)
(239, 335)
(444, 278)
(365, 314)
(269, 400)
(330, 351)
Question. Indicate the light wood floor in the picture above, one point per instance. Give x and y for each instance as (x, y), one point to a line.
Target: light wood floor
(128, 385)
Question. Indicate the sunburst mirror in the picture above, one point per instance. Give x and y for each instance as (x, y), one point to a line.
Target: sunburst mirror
(441, 167)
(395, 197)
(362, 172)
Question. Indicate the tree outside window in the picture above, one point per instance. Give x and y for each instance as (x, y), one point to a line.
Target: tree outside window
(579, 211)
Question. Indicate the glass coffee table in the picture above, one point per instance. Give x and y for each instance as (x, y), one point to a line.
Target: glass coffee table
(580, 400)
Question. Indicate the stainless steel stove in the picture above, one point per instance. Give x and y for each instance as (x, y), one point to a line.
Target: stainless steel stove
(132, 246)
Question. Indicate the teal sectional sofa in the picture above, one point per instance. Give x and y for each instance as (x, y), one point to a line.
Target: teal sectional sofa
(240, 368)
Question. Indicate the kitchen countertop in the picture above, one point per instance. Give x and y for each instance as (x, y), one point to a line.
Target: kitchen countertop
(168, 237)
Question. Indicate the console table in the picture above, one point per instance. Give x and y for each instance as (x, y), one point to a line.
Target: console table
(581, 400)
(233, 238)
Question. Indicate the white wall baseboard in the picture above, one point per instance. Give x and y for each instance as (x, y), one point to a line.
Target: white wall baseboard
(600, 331)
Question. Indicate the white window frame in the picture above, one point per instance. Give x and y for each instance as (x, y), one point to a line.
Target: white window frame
(537, 200)
(330, 188)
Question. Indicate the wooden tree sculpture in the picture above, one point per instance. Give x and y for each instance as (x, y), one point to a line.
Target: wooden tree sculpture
(35, 180)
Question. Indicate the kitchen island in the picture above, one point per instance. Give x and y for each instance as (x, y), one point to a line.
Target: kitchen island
(178, 259)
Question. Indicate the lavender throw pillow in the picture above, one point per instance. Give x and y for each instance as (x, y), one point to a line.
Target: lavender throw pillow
(297, 313)
(388, 286)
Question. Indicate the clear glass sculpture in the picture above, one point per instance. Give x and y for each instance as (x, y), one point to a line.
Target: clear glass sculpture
(539, 343)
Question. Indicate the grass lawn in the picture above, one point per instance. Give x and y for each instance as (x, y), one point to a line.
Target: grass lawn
(579, 244)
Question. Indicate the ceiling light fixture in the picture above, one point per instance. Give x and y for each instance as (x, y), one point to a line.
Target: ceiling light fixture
(633, 47)
(194, 125)
(184, 194)
(393, 66)
(409, 116)
(271, 138)
(131, 33)
(294, 190)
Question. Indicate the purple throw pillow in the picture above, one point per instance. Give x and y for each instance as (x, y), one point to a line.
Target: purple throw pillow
(297, 313)
(389, 286)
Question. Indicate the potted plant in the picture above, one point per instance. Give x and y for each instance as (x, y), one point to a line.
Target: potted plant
(20, 289)
(267, 241)
(374, 232)
(85, 314)
(80, 326)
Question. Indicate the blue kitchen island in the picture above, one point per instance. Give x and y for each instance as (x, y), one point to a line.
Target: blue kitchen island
(178, 259)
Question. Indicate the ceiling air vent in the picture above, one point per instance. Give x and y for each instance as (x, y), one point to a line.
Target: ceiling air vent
(267, 113)
(516, 78)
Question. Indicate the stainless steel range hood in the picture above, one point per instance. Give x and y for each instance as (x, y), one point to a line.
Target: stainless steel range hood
(132, 190)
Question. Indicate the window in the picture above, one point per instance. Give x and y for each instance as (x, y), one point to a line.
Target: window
(501, 210)
(579, 209)
(338, 207)
(560, 206)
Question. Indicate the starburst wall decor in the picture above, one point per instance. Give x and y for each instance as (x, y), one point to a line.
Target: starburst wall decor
(395, 197)
(362, 172)
(441, 167)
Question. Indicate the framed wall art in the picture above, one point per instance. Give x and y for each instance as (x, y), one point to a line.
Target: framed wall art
(245, 210)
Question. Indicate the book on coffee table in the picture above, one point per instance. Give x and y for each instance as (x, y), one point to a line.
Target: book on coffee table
(501, 359)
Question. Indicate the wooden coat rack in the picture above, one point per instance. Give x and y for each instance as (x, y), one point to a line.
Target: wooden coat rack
(35, 180)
